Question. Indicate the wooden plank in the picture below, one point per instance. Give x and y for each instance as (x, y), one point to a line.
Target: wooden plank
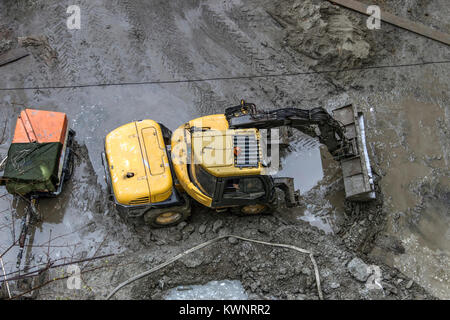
(13, 55)
(397, 21)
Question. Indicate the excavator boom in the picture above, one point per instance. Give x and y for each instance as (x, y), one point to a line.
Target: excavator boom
(343, 134)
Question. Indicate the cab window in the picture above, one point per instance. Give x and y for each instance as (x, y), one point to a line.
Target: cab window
(205, 181)
(243, 188)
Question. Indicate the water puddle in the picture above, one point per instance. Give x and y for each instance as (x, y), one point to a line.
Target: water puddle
(303, 163)
(411, 143)
(66, 233)
(213, 290)
(321, 222)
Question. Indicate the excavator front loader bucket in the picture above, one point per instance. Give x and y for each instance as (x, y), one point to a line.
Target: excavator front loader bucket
(356, 170)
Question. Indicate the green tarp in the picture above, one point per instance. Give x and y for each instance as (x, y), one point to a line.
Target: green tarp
(32, 167)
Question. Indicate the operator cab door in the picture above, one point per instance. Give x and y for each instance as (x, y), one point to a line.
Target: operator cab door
(234, 191)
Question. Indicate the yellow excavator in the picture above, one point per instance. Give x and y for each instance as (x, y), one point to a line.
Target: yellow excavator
(222, 161)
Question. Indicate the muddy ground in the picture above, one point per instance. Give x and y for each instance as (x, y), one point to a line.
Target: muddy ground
(405, 232)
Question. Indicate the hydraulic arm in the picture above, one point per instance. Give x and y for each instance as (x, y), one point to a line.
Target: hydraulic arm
(343, 135)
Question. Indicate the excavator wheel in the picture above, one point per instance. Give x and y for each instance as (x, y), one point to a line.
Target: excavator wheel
(253, 210)
(167, 217)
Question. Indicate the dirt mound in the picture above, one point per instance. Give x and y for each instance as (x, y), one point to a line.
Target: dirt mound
(328, 37)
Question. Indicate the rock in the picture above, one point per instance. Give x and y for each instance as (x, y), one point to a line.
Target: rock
(178, 237)
(181, 225)
(217, 225)
(409, 284)
(189, 229)
(224, 231)
(290, 296)
(306, 271)
(297, 269)
(254, 286)
(202, 229)
(358, 269)
(232, 240)
(193, 261)
(334, 285)
(389, 287)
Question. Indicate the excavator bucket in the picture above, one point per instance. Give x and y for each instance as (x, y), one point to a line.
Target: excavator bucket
(356, 170)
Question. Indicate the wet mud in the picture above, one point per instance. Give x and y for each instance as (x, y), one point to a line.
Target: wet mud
(405, 232)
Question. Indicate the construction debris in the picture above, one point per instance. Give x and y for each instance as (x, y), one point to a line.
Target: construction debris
(209, 242)
(40, 47)
(358, 269)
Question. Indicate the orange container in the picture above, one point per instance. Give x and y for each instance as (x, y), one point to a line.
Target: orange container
(40, 126)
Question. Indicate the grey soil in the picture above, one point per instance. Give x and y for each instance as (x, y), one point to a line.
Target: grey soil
(405, 232)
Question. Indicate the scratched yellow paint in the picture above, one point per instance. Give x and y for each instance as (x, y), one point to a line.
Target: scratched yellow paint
(137, 150)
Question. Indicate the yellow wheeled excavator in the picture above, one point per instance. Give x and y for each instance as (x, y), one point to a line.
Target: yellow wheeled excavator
(220, 161)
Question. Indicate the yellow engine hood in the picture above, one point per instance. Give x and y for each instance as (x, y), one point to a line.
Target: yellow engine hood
(138, 163)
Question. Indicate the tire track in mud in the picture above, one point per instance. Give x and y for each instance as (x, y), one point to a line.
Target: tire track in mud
(92, 51)
(161, 21)
(222, 28)
(132, 13)
(104, 50)
(175, 59)
(138, 37)
(238, 25)
(61, 40)
(104, 47)
(224, 31)
(222, 24)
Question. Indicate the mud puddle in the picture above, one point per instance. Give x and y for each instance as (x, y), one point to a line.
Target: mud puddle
(303, 163)
(120, 43)
(309, 163)
(412, 150)
(67, 231)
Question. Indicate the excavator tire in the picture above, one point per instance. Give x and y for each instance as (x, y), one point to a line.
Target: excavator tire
(255, 209)
(167, 217)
